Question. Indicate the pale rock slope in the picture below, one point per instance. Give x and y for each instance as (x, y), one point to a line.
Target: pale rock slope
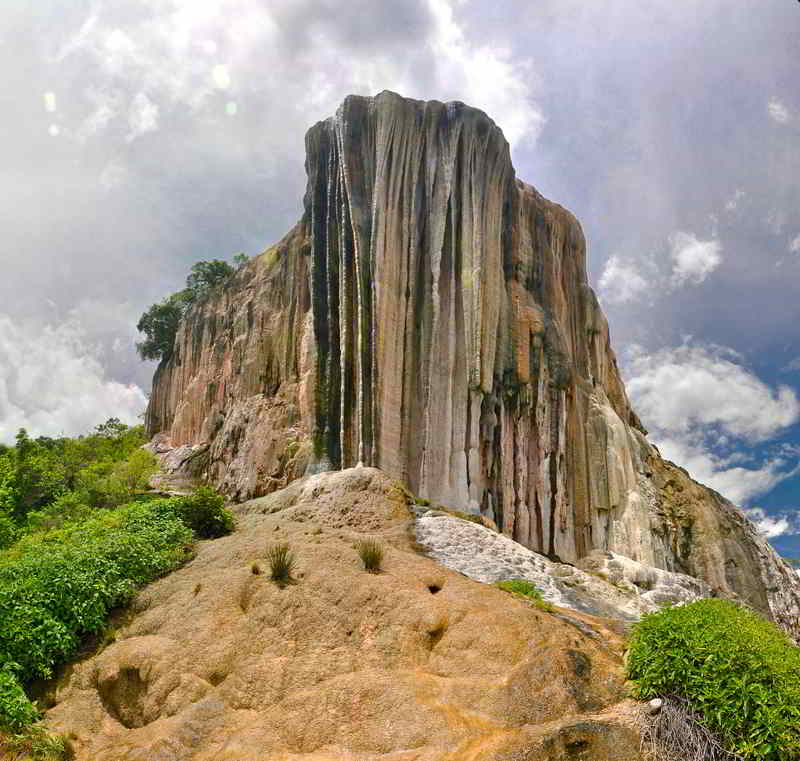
(430, 315)
(417, 663)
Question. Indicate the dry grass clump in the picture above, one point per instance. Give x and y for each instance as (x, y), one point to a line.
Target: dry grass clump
(281, 563)
(371, 554)
(676, 733)
(35, 744)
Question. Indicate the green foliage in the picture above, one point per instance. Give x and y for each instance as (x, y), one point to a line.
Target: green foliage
(281, 563)
(160, 325)
(205, 513)
(16, 711)
(205, 276)
(58, 585)
(739, 671)
(8, 530)
(35, 743)
(160, 322)
(371, 554)
(527, 590)
(40, 477)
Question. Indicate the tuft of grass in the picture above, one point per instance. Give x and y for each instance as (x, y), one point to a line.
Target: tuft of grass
(736, 671)
(371, 554)
(281, 563)
(35, 743)
(527, 590)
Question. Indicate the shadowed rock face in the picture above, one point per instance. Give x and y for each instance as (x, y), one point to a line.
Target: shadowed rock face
(430, 315)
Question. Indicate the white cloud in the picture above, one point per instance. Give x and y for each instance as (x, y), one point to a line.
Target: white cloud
(699, 401)
(158, 55)
(736, 482)
(621, 281)
(772, 526)
(52, 383)
(485, 76)
(142, 117)
(794, 246)
(693, 260)
(778, 111)
(676, 389)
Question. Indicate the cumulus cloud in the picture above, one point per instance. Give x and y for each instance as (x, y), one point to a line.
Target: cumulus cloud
(678, 388)
(52, 383)
(778, 111)
(626, 280)
(772, 526)
(794, 246)
(621, 281)
(723, 473)
(705, 408)
(693, 260)
(184, 52)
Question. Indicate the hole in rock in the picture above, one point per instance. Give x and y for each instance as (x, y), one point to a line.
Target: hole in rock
(434, 588)
(217, 678)
(123, 696)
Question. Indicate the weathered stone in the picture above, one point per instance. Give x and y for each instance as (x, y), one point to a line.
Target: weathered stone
(430, 315)
(606, 584)
(221, 664)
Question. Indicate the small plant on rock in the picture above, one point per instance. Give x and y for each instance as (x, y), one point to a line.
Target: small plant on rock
(281, 563)
(371, 554)
(525, 589)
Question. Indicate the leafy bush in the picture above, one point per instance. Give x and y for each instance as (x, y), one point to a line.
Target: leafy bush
(205, 513)
(527, 590)
(16, 711)
(8, 530)
(371, 554)
(281, 563)
(161, 321)
(58, 585)
(737, 670)
(35, 743)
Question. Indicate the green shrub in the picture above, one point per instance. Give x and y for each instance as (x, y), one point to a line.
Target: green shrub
(16, 711)
(525, 589)
(737, 670)
(56, 586)
(8, 530)
(371, 554)
(205, 513)
(35, 743)
(281, 563)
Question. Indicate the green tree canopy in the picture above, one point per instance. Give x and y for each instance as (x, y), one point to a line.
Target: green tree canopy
(159, 325)
(160, 322)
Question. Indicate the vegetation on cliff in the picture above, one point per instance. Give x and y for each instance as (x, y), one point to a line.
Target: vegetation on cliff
(160, 322)
(736, 670)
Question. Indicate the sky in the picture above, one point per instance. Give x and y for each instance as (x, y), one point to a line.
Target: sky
(140, 136)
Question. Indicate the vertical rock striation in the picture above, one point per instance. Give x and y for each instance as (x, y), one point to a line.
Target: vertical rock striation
(430, 315)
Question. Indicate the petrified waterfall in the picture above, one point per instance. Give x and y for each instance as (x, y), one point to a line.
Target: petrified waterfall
(430, 315)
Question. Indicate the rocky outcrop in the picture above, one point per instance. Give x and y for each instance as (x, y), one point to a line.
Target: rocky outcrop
(416, 663)
(430, 315)
(604, 584)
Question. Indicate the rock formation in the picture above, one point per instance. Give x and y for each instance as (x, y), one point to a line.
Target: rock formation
(430, 315)
(217, 663)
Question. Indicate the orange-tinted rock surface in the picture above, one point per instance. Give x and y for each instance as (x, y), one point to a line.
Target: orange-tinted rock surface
(430, 315)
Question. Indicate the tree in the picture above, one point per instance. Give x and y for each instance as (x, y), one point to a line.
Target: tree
(239, 260)
(206, 275)
(159, 325)
(160, 322)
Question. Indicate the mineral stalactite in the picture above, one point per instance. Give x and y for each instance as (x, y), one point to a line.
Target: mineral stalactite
(430, 315)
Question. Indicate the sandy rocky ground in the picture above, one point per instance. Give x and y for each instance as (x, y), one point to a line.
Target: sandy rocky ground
(417, 663)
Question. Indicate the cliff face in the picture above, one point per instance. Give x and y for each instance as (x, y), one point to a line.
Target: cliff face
(430, 315)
